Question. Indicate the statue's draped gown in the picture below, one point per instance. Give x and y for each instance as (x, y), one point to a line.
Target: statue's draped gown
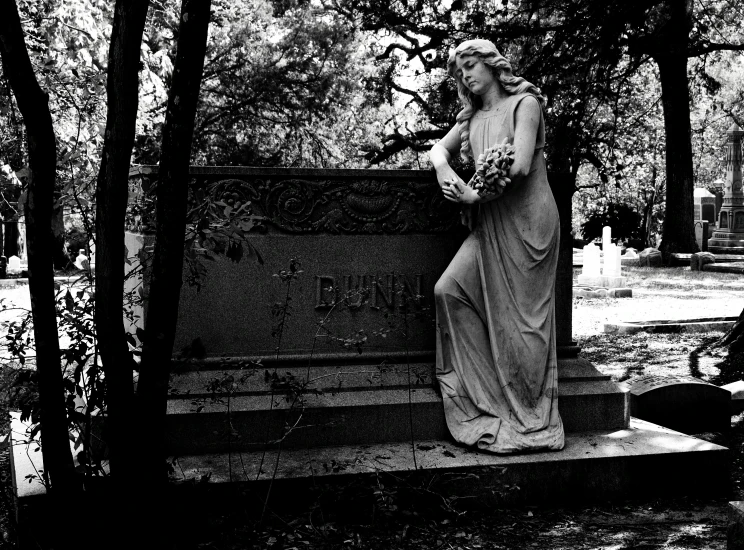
(496, 353)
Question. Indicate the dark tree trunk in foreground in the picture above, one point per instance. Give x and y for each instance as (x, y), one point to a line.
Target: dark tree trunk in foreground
(167, 266)
(111, 202)
(678, 233)
(42, 159)
(669, 48)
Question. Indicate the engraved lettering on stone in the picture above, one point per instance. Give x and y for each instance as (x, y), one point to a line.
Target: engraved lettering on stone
(325, 291)
(385, 291)
(355, 293)
(379, 290)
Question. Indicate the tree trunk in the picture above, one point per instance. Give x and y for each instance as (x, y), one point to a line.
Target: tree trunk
(678, 233)
(111, 202)
(734, 338)
(60, 259)
(42, 159)
(167, 267)
(670, 53)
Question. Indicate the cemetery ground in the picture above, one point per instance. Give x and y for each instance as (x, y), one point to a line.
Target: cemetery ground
(382, 512)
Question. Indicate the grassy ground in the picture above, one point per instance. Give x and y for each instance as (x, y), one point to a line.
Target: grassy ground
(382, 517)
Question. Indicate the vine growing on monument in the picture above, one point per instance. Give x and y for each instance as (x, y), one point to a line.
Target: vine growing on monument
(289, 391)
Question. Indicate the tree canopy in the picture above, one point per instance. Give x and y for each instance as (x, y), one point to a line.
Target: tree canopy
(342, 83)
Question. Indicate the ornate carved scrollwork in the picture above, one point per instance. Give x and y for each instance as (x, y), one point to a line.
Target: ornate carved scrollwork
(303, 202)
(353, 207)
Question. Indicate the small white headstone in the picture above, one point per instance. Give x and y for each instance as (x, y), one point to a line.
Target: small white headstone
(14, 263)
(591, 261)
(81, 262)
(606, 237)
(610, 254)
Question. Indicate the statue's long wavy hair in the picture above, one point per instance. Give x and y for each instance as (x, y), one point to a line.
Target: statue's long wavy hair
(487, 52)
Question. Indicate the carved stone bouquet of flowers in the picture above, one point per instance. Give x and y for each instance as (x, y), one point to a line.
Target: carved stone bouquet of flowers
(491, 177)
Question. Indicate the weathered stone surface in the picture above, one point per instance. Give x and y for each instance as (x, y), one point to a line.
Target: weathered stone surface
(703, 324)
(729, 235)
(602, 281)
(699, 259)
(735, 531)
(731, 267)
(350, 283)
(701, 234)
(368, 242)
(680, 403)
(644, 460)
(344, 403)
(683, 258)
(649, 257)
(737, 395)
(592, 292)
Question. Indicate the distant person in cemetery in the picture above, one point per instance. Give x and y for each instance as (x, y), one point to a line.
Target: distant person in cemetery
(495, 303)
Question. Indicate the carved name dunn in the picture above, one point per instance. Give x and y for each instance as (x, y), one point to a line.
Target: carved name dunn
(388, 290)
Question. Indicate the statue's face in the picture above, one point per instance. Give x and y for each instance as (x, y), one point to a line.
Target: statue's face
(475, 74)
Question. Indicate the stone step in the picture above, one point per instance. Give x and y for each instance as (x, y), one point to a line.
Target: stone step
(197, 424)
(719, 246)
(642, 460)
(732, 267)
(248, 379)
(683, 258)
(356, 417)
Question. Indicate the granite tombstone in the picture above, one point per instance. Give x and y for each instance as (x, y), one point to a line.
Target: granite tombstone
(681, 403)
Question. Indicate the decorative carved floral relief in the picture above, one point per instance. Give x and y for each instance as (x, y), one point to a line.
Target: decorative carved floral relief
(347, 206)
(333, 205)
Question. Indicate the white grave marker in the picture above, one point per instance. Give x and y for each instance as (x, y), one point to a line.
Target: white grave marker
(591, 261)
(14, 263)
(606, 237)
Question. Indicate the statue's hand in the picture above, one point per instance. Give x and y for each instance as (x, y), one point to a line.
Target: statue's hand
(458, 191)
(446, 175)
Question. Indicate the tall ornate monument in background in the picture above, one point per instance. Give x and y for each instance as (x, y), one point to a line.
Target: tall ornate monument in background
(729, 238)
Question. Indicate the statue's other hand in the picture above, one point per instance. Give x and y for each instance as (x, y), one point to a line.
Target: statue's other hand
(446, 176)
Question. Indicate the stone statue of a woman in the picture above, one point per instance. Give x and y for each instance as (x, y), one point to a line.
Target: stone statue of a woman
(496, 350)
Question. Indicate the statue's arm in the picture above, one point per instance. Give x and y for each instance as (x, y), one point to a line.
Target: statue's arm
(450, 144)
(441, 155)
(527, 122)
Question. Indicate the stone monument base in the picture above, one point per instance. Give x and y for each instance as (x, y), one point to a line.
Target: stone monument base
(641, 461)
(594, 292)
(602, 281)
(724, 242)
(338, 401)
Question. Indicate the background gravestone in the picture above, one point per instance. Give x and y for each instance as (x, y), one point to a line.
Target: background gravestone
(699, 259)
(649, 257)
(681, 403)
